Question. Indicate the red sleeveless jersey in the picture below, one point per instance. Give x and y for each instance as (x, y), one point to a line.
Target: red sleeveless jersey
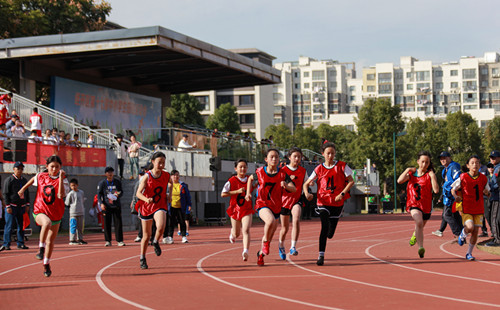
(331, 182)
(238, 206)
(472, 193)
(155, 188)
(46, 200)
(419, 193)
(270, 190)
(297, 176)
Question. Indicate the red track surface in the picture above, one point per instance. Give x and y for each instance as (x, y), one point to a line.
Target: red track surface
(368, 265)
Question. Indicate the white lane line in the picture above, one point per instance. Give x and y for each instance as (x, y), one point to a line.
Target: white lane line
(270, 277)
(367, 252)
(453, 254)
(46, 283)
(200, 269)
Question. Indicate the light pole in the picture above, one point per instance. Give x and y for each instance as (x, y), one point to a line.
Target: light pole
(394, 134)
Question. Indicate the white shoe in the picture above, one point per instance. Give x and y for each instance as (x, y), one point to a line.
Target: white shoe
(121, 243)
(169, 240)
(245, 256)
(231, 238)
(137, 239)
(437, 233)
(107, 243)
(184, 239)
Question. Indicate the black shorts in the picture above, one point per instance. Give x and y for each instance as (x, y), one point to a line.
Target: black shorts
(151, 216)
(276, 215)
(425, 216)
(333, 211)
(285, 211)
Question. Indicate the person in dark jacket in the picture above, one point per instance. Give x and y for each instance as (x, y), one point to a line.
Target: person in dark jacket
(109, 192)
(15, 207)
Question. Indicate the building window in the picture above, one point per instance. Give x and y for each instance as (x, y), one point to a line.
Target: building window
(494, 83)
(385, 89)
(484, 71)
(277, 121)
(276, 96)
(454, 73)
(469, 85)
(317, 86)
(307, 119)
(306, 74)
(306, 97)
(423, 87)
(352, 98)
(484, 83)
(306, 85)
(370, 77)
(370, 88)
(384, 78)
(297, 86)
(398, 75)
(352, 88)
(333, 84)
(399, 86)
(247, 100)
(203, 102)
(247, 119)
(408, 75)
(224, 99)
(454, 85)
(438, 73)
(349, 127)
(470, 107)
(318, 75)
(306, 108)
(495, 72)
(469, 74)
(423, 75)
(470, 98)
(333, 73)
(439, 85)
(296, 74)
(409, 86)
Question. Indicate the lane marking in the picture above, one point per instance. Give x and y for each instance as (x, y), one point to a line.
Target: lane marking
(477, 260)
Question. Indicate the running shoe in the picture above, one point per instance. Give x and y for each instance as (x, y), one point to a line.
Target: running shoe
(293, 251)
(137, 239)
(265, 247)
(460, 240)
(144, 265)
(185, 239)
(282, 253)
(260, 259)
(231, 238)
(73, 243)
(437, 233)
(413, 239)
(156, 245)
(320, 261)
(245, 256)
(484, 234)
(469, 257)
(421, 252)
(40, 254)
(178, 233)
(108, 243)
(168, 240)
(82, 242)
(46, 270)
(121, 243)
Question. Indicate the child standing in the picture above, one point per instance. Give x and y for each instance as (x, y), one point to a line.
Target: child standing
(240, 210)
(75, 200)
(272, 181)
(292, 204)
(49, 206)
(153, 204)
(421, 183)
(473, 185)
(334, 182)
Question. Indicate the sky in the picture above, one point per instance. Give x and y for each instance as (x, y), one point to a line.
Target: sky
(366, 32)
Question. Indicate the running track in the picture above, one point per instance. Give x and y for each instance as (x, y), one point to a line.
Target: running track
(368, 265)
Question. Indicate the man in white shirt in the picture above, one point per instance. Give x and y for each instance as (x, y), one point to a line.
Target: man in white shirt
(18, 130)
(184, 145)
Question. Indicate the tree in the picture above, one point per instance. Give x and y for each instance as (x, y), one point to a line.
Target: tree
(376, 123)
(21, 18)
(341, 136)
(464, 136)
(282, 135)
(184, 109)
(491, 138)
(224, 119)
(306, 138)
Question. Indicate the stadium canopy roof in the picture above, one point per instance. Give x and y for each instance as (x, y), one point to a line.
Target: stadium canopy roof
(150, 60)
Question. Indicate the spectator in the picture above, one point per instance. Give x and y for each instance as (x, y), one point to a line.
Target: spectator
(36, 122)
(3, 132)
(75, 200)
(34, 138)
(18, 130)
(181, 201)
(109, 192)
(121, 153)
(90, 140)
(133, 153)
(62, 136)
(67, 139)
(213, 142)
(494, 204)
(184, 144)
(54, 137)
(76, 141)
(15, 207)
(47, 137)
(13, 118)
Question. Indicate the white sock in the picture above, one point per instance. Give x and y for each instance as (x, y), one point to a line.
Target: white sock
(46, 260)
(155, 241)
(321, 254)
(281, 244)
(143, 257)
(245, 250)
(41, 244)
(294, 242)
(471, 247)
(463, 235)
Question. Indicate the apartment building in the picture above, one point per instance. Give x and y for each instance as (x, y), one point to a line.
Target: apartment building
(423, 89)
(310, 91)
(254, 105)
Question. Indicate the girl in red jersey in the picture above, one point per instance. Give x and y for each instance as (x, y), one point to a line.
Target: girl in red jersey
(421, 183)
(291, 201)
(152, 205)
(334, 182)
(473, 185)
(48, 209)
(272, 182)
(240, 210)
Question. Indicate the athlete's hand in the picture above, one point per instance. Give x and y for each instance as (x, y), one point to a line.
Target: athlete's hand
(339, 197)
(248, 197)
(283, 184)
(458, 199)
(21, 194)
(9, 210)
(150, 200)
(241, 190)
(412, 170)
(309, 196)
(103, 207)
(62, 174)
(293, 177)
